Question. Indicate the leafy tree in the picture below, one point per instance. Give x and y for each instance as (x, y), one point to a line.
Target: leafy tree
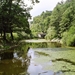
(14, 15)
(66, 19)
(35, 29)
(41, 23)
(46, 14)
(67, 16)
(51, 33)
(56, 18)
(69, 37)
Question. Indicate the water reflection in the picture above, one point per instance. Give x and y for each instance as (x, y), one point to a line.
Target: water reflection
(30, 53)
(34, 69)
(7, 67)
(37, 69)
(13, 66)
(44, 45)
(25, 66)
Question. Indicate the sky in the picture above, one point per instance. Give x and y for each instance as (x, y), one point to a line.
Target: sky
(43, 6)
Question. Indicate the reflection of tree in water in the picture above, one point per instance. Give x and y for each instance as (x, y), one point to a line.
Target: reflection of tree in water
(37, 45)
(44, 44)
(26, 61)
(15, 66)
(8, 67)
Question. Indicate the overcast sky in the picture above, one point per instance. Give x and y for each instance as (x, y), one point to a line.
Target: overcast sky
(43, 6)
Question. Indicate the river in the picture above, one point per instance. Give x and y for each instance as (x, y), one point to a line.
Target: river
(45, 59)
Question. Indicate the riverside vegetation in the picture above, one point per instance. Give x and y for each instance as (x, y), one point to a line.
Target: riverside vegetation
(56, 24)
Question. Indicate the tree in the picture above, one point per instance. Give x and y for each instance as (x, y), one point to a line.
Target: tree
(66, 19)
(41, 23)
(51, 33)
(14, 15)
(69, 36)
(56, 18)
(67, 16)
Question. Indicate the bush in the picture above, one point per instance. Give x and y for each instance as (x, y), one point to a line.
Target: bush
(51, 33)
(69, 37)
(64, 38)
(71, 40)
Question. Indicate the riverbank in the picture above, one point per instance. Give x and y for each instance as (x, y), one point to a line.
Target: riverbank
(41, 40)
(37, 40)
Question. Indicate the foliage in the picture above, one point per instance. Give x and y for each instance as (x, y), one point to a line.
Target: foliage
(69, 37)
(40, 23)
(14, 15)
(35, 30)
(56, 18)
(67, 18)
(63, 19)
(51, 33)
(57, 23)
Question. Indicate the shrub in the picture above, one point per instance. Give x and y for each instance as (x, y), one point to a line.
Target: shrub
(51, 33)
(69, 37)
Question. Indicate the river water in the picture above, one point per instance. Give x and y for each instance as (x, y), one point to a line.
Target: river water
(31, 66)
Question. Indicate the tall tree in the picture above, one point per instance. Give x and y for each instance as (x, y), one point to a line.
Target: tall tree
(67, 16)
(56, 18)
(41, 22)
(14, 14)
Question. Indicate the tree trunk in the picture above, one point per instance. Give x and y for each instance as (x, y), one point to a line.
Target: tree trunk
(4, 37)
(11, 35)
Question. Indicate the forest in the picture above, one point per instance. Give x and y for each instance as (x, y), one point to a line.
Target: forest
(57, 24)
(13, 19)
